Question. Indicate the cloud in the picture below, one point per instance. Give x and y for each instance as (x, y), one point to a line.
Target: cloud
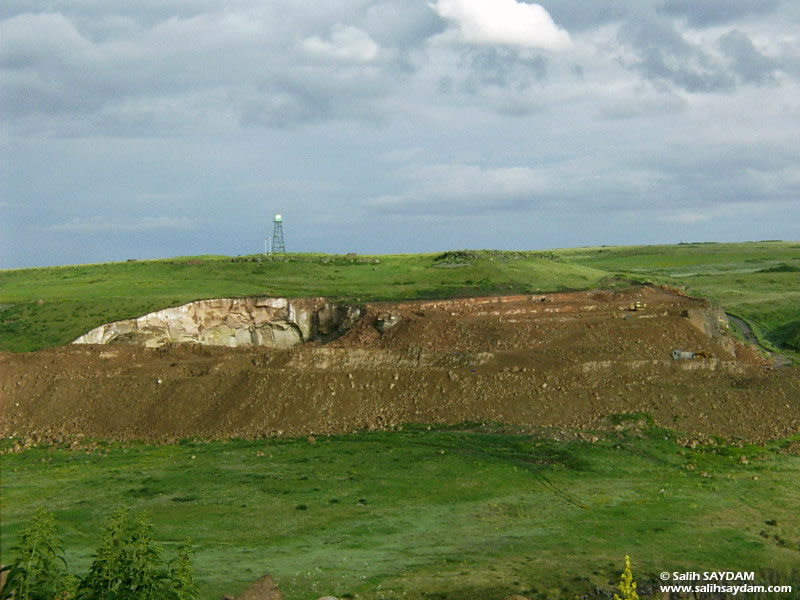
(159, 196)
(461, 189)
(503, 22)
(493, 67)
(346, 43)
(702, 13)
(748, 63)
(661, 54)
(647, 106)
(32, 39)
(580, 15)
(376, 111)
(687, 217)
(117, 225)
(400, 24)
(192, 72)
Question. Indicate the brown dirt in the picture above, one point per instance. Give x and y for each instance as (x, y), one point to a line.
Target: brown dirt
(560, 360)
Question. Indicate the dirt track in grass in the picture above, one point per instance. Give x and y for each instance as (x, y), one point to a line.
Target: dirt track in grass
(557, 360)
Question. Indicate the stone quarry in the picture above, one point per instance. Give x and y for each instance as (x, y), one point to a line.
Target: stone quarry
(273, 367)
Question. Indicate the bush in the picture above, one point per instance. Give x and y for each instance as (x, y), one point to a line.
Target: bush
(126, 566)
(39, 571)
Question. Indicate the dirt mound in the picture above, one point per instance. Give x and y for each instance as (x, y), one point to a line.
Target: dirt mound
(560, 360)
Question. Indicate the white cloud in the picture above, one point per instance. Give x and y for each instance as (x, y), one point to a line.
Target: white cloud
(505, 22)
(346, 43)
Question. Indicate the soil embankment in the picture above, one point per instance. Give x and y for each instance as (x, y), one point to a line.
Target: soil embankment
(556, 360)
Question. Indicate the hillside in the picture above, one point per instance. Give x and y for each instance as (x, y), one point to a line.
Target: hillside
(51, 306)
(559, 360)
(479, 407)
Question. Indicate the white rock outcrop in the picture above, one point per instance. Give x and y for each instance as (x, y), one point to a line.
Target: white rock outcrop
(232, 322)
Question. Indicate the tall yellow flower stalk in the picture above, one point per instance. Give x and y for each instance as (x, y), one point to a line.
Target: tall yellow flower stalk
(627, 586)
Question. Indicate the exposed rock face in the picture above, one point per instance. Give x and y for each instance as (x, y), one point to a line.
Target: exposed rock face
(386, 320)
(711, 321)
(232, 322)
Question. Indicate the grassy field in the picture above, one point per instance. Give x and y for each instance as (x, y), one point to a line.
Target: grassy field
(462, 513)
(759, 282)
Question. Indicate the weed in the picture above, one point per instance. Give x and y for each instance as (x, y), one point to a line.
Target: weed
(39, 571)
(627, 586)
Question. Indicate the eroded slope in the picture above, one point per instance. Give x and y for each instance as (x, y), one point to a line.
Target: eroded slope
(563, 360)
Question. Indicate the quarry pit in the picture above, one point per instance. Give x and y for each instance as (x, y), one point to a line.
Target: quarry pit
(255, 368)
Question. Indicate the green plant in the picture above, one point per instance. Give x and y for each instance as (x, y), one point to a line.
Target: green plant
(182, 574)
(127, 565)
(627, 586)
(39, 570)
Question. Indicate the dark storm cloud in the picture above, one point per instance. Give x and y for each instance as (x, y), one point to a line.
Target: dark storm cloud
(702, 13)
(746, 61)
(401, 24)
(662, 54)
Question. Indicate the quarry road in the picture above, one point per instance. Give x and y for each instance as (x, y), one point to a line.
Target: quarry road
(778, 360)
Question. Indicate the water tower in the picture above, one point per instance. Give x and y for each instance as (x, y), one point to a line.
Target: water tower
(277, 236)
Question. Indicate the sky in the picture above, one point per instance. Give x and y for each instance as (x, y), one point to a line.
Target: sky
(158, 128)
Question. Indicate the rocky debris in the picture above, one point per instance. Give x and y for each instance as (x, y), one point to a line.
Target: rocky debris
(263, 589)
(568, 363)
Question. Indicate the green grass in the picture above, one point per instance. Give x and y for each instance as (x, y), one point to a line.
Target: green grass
(449, 513)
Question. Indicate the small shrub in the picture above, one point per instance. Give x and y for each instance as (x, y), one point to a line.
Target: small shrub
(128, 565)
(39, 571)
(183, 576)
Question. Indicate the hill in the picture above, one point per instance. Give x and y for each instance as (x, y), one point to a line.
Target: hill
(501, 436)
(46, 307)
